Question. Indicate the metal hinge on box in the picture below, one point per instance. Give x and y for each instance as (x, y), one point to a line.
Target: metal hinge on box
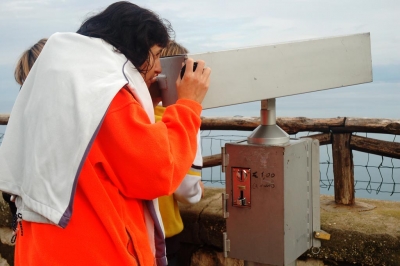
(225, 198)
(225, 159)
(226, 244)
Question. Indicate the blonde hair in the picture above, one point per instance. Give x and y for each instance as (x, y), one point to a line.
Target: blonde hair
(27, 60)
(173, 48)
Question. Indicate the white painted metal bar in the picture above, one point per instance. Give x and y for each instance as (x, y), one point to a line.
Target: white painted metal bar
(265, 72)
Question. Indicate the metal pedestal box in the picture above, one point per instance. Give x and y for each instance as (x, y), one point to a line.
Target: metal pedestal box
(271, 203)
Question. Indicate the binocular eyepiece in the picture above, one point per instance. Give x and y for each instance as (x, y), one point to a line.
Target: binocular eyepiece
(166, 87)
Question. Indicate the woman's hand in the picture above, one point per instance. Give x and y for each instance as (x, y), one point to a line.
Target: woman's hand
(194, 84)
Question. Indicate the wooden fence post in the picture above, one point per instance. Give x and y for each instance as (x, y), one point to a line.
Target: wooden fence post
(343, 168)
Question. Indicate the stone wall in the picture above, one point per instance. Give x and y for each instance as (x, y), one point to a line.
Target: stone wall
(6, 233)
(367, 233)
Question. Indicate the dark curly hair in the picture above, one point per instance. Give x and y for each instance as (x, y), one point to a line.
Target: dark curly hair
(132, 31)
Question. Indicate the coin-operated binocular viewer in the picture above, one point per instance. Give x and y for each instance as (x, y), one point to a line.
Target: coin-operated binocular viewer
(271, 203)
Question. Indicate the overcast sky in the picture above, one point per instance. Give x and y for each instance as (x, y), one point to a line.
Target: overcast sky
(212, 25)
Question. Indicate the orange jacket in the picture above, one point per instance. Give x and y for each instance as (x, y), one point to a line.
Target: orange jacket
(131, 160)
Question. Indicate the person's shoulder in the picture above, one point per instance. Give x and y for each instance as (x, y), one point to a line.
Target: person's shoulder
(121, 100)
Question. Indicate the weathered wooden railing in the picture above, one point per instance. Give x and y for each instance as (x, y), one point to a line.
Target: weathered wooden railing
(335, 131)
(4, 119)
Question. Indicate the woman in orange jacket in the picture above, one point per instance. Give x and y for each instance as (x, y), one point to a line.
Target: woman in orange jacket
(91, 159)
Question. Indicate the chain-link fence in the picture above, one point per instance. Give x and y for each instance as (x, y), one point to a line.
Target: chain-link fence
(374, 176)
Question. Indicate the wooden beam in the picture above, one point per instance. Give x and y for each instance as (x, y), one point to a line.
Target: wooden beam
(372, 125)
(212, 160)
(293, 125)
(343, 169)
(374, 146)
(4, 119)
